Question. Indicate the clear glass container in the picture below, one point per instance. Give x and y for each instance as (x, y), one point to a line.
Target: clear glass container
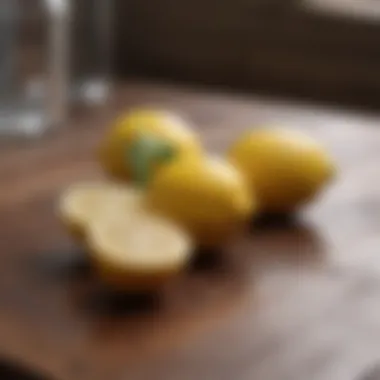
(53, 54)
(33, 66)
(91, 50)
(25, 68)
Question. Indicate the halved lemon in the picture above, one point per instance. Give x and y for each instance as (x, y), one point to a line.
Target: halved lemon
(82, 203)
(141, 252)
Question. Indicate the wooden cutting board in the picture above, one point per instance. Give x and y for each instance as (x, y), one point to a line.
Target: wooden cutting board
(286, 301)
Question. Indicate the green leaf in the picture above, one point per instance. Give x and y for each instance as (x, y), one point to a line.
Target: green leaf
(145, 154)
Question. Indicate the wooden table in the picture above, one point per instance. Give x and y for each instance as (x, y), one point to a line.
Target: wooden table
(287, 302)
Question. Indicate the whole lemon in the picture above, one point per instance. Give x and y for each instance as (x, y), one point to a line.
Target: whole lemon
(206, 195)
(134, 127)
(285, 169)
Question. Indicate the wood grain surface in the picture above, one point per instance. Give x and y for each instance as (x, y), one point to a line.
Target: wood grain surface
(287, 301)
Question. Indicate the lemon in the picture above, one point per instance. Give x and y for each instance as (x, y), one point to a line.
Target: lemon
(131, 129)
(285, 169)
(206, 195)
(82, 203)
(138, 253)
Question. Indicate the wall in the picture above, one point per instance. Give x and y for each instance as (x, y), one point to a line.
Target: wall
(252, 44)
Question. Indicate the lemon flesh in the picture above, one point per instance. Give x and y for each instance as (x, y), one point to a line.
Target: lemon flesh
(138, 253)
(83, 203)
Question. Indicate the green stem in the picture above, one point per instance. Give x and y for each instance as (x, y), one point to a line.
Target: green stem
(145, 154)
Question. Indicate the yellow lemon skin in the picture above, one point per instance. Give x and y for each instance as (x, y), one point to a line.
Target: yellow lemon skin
(206, 195)
(141, 253)
(168, 127)
(284, 169)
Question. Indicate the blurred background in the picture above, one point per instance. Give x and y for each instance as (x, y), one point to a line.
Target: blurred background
(56, 53)
(321, 49)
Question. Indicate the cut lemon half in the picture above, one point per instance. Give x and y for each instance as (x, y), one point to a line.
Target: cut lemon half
(83, 203)
(140, 252)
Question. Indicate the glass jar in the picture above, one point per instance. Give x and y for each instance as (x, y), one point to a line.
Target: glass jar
(91, 50)
(32, 66)
(53, 54)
